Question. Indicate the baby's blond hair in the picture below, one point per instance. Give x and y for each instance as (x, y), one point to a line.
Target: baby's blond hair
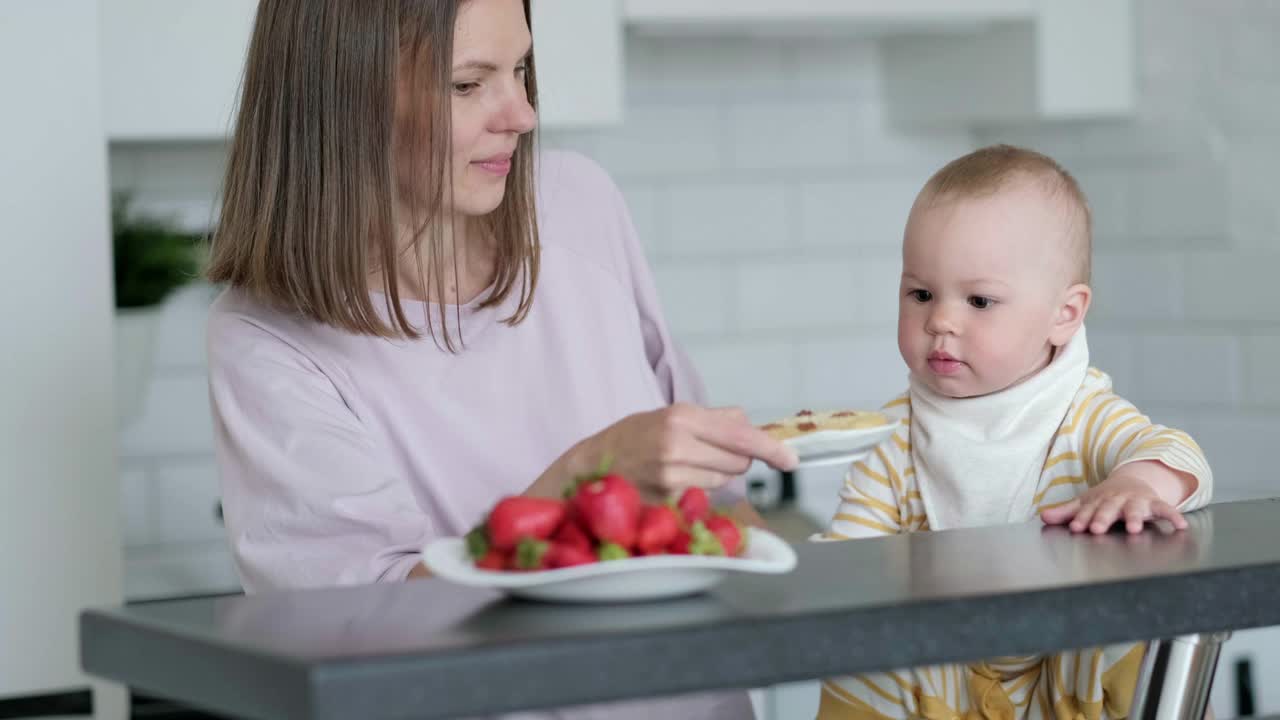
(989, 170)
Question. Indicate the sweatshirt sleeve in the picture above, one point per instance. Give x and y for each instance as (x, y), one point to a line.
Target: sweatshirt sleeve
(307, 498)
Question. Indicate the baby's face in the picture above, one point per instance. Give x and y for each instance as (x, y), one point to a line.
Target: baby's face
(981, 282)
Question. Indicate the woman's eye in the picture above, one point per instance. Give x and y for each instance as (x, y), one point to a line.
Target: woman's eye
(522, 70)
(465, 88)
(921, 295)
(980, 302)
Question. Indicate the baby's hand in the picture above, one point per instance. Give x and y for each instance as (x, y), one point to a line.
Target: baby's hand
(1122, 496)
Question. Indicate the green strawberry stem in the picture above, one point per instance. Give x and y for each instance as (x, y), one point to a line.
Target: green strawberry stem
(703, 542)
(612, 551)
(478, 542)
(529, 553)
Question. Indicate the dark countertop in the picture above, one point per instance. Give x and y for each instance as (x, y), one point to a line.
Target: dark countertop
(432, 649)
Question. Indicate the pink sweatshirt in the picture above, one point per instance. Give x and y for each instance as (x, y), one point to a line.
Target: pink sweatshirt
(341, 455)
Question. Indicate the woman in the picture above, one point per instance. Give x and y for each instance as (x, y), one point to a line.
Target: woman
(412, 331)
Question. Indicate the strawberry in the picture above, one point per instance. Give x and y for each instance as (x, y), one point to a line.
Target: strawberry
(698, 540)
(572, 533)
(494, 559)
(610, 508)
(659, 525)
(730, 534)
(612, 551)
(562, 555)
(694, 505)
(518, 517)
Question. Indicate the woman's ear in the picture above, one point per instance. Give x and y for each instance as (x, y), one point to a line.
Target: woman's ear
(1069, 316)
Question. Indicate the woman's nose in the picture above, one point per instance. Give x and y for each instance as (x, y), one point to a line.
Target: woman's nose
(517, 114)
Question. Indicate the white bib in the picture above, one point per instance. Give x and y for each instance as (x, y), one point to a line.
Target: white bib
(978, 460)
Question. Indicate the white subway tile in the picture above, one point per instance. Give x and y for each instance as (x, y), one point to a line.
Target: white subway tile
(175, 419)
(1236, 286)
(792, 294)
(791, 135)
(1187, 201)
(1109, 193)
(135, 506)
(756, 375)
(705, 70)
(1262, 370)
(1116, 354)
(861, 373)
(647, 205)
(856, 213)
(832, 67)
(662, 140)
(1254, 208)
(1189, 371)
(1145, 286)
(877, 144)
(185, 498)
(696, 296)
(723, 219)
(180, 329)
(1241, 452)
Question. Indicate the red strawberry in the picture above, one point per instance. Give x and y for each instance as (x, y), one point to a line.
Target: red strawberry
(728, 532)
(562, 555)
(572, 533)
(610, 508)
(694, 505)
(518, 517)
(659, 525)
(492, 560)
(697, 541)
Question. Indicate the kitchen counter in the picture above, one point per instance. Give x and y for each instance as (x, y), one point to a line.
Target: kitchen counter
(431, 649)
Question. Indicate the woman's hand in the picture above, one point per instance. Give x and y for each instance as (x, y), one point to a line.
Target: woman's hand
(667, 450)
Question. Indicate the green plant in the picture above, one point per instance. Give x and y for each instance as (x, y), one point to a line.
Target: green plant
(152, 257)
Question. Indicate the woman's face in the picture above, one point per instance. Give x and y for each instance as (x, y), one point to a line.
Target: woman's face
(490, 107)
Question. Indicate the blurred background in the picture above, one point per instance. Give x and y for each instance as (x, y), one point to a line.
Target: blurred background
(769, 152)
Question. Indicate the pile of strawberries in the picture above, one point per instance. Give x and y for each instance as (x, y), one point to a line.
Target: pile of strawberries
(602, 517)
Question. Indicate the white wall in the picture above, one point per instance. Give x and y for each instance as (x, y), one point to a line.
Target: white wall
(771, 196)
(59, 538)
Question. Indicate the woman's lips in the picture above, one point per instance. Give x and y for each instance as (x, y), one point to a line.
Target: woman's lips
(496, 166)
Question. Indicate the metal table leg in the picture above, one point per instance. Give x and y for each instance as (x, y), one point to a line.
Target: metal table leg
(1176, 677)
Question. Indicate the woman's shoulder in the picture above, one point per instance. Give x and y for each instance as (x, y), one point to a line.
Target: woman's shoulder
(240, 324)
(582, 216)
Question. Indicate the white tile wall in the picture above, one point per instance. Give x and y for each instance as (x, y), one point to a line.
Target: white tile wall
(770, 194)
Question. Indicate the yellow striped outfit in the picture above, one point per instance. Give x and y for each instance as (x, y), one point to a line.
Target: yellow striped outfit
(880, 496)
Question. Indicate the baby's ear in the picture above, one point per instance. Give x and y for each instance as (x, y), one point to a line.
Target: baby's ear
(1072, 307)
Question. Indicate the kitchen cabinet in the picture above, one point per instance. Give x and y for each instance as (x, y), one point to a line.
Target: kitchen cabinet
(949, 62)
(171, 68)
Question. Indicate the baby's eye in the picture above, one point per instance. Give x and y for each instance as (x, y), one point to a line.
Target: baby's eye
(980, 302)
(923, 296)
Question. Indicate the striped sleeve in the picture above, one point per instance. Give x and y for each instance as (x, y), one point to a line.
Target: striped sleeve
(870, 497)
(1113, 432)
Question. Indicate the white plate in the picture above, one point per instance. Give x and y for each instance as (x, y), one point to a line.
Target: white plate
(639, 578)
(831, 447)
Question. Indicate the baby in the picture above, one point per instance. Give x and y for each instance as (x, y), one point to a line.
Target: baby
(1005, 420)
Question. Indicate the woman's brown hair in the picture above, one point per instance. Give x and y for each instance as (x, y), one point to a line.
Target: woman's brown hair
(309, 204)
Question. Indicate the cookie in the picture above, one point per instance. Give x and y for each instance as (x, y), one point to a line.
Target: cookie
(807, 421)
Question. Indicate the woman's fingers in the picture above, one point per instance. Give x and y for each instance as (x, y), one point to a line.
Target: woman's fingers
(730, 429)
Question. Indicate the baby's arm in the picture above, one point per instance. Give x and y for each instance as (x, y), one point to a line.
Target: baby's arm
(869, 500)
(1148, 471)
